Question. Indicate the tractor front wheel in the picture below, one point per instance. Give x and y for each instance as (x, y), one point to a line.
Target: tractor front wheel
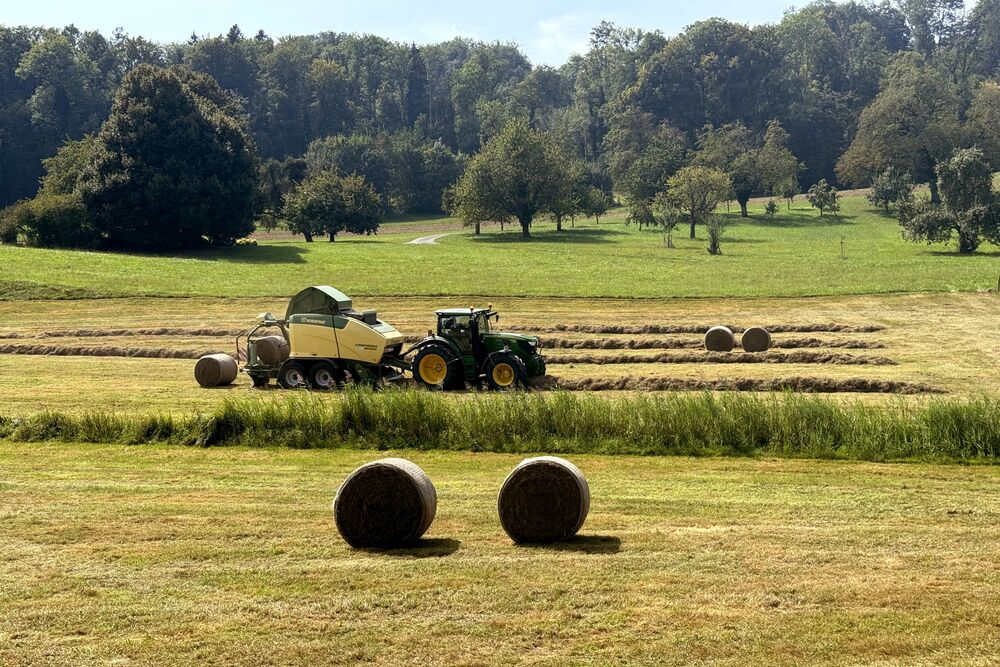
(505, 371)
(292, 375)
(438, 367)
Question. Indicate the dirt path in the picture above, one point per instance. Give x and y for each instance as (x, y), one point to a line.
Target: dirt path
(428, 240)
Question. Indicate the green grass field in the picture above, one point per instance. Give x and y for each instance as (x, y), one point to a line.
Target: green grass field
(798, 254)
(123, 546)
(178, 556)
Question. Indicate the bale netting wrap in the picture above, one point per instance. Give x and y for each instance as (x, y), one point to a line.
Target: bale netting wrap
(719, 339)
(544, 499)
(272, 350)
(215, 370)
(756, 339)
(385, 504)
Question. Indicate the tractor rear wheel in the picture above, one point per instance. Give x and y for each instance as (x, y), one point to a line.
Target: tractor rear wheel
(292, 375)
(325, 376)
(438, 367)
(505, 371)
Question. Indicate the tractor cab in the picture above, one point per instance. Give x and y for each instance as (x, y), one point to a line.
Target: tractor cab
(465, 326)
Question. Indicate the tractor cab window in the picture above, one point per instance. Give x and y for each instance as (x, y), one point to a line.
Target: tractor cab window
(457, 325)
(484, 324)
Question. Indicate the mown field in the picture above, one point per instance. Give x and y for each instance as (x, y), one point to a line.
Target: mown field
(175, 556)
(797, 254)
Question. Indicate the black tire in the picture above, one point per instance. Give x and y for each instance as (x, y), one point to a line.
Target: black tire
(324, 376)
(437, 367)
(292, 375)
(505, 371)
(260, 381)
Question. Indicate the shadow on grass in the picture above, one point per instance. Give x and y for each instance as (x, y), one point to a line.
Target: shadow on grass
(285, 253)
(438, 547)
(955, 253)
(783, 222)
(565, 236)
(587, 544)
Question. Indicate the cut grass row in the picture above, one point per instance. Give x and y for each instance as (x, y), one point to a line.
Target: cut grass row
(666, 424)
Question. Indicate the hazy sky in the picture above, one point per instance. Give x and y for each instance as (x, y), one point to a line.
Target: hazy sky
(548, 31)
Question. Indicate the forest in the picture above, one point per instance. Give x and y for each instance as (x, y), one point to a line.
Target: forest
(850, 89)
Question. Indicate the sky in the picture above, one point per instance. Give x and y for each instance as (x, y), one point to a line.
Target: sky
(548, 32)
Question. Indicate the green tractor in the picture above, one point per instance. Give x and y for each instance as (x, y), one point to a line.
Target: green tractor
(466, 349)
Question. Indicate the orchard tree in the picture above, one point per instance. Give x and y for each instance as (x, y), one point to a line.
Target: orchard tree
(890, 187)
(595, 203)
(984, 122)
(971, 208)
(697, 191)
(326, 203)
(824, 197)
(173, 166)
(516, 176)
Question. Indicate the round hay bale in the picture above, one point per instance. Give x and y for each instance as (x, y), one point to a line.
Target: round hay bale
(385, 504)
(544, 499)
(756, 339)
(215, 370)
(719, 339)
(272, 350)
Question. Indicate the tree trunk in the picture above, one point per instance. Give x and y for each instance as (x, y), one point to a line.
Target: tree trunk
(935, 195)
(743, 201)
(333, 236)
(525, 227)
(558, 223)
(309, 236)
(966, 244)
(693, 222)
(597, 217)
(477, 228)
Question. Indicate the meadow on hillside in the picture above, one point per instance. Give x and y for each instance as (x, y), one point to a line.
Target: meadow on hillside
(798, 253)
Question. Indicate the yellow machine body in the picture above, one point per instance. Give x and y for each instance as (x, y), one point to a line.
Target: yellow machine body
(341, 337)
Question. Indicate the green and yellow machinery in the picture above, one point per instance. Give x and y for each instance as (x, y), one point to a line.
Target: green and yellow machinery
(465, 348)
(329, 344)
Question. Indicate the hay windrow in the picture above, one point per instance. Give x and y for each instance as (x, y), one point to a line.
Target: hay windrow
(385, 504)
(159, 331)
(696, 328)
(797, 384)
(83, 351)
(795, 357)
(544, 499)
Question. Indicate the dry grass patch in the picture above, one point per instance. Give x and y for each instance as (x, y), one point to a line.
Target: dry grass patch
(229, 556)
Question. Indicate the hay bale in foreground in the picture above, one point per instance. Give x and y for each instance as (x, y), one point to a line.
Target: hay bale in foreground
(215, 370)
(756, 339)
(719, 339)
(272, 350)
(385, 504)
(544, 499)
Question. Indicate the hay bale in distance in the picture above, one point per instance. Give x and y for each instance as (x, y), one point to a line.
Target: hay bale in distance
(719, 339)
(544, 499)
(272, 350)
(215, 370)
(385, 504)
(756, 339)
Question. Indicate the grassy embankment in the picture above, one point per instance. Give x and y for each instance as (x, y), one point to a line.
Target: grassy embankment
(665, 424)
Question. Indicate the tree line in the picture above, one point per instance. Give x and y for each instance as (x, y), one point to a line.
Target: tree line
(840, 92)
